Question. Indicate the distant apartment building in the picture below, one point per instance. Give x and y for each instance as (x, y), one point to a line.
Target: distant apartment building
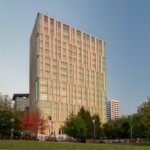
(67, 71)
(112, 110)
(21, 101)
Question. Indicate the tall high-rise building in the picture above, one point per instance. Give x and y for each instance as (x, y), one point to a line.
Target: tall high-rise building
(67, 71)
(112, 110)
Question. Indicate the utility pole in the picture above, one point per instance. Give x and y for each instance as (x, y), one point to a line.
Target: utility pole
(94, 130)
(12, 127)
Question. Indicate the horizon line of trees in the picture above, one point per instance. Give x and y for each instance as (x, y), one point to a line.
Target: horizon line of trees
(78, 126)
(132, 126)
(81, 126)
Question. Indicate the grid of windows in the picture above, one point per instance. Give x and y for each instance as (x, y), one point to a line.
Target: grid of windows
(72, 67)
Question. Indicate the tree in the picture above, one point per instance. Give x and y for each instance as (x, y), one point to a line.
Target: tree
(98, 129)
(6, 114)
(122, 127)
(144, 112)
(108, 129)
(138, 128)
(119, 128)
(33, 121)
(85, 115)
(74, 127)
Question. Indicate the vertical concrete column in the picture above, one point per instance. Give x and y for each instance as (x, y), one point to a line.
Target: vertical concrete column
(95, 89)
(61, 41)
(69, 35)
(55, 29)
(81, 49)
(102, 105)
(60, 92)
(75, 37)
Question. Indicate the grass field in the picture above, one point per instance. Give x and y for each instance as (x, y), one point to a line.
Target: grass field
(31, 145)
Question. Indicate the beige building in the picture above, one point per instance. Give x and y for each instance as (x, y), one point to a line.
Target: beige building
(112, 110)
(67, 71)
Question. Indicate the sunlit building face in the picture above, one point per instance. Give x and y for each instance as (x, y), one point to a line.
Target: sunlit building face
(67, 71)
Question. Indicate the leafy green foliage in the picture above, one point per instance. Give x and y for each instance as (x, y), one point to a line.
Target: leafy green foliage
(133, 126)
(85, 115)
(74, 127)
(6, 113)
(98, 129)
(119, 128)
(81, 125)
(144, 114)
(138, 128)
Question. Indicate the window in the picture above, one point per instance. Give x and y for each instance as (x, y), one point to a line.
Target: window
(45, 30)
(62, 111)
(43, 82)
(88, 41)
(84, 37)
(47, 109)
(45, 19)
(46, 51)
(59, 27)
(47, 60)
(55, 111)
(52, 21)
(66, 29)
(79, 94)
(74, 94)
(46, 38)
(64, 50)
(99, 63)
(64, 92)
(43, 89)
(103, 62)
(78, 35)
(43, 96)
(66, 38)
(100, 47)
(47, 73)
(51, 89)
(46, 44)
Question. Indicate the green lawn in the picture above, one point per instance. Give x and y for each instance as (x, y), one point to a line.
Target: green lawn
(30, 145)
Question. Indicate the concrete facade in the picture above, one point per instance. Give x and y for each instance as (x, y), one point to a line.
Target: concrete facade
(67, 71)
(112, 110)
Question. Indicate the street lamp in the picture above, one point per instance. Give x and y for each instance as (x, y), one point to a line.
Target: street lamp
(131, 127)
(12, 127)
(93, 130)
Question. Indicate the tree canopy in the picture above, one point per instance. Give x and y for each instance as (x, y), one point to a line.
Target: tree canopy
(6, 114)
(33, 121)
(81, 125)
(74, 127)
(132, 126)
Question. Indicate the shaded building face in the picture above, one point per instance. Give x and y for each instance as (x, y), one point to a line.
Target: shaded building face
(67, 71)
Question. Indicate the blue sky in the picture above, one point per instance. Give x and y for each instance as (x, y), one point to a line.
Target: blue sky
(123, 25)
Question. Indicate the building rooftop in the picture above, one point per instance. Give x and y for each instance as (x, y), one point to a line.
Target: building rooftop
(25, 95)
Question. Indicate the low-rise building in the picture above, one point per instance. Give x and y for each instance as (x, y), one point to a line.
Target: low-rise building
(21, 101)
